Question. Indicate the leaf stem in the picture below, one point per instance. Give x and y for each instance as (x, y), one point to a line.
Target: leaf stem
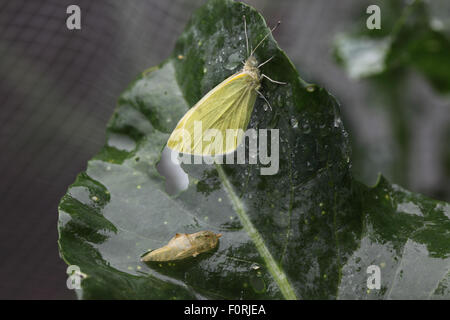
(274, 269)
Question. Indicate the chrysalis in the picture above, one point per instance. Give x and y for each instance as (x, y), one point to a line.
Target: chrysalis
(184, 245)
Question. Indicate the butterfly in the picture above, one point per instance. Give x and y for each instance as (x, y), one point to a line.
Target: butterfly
(223, 114)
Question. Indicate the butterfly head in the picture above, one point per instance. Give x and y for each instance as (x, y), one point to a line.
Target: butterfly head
(251, 62)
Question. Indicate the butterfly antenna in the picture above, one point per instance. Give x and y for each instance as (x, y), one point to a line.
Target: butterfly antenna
(246, 37)
(272, 30)
(265, 62)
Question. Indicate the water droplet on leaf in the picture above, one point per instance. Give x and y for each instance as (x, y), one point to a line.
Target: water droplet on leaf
(294, 123)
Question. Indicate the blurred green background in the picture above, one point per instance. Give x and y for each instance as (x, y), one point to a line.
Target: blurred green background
(59, 87)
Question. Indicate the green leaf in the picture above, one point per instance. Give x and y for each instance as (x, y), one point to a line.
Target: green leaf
(414, 39)
(419, 39)
(407, 236)
(295, 234)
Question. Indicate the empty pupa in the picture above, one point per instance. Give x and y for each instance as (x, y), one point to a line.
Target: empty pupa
(184, 245)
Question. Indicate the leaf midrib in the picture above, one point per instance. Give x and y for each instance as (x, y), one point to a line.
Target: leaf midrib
(274, 269)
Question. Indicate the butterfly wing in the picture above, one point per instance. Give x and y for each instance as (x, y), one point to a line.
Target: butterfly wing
(228, 106)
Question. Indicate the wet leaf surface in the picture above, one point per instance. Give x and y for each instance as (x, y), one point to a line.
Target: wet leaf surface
(307, 232)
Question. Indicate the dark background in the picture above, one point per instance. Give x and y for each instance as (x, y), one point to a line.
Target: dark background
(58, 88)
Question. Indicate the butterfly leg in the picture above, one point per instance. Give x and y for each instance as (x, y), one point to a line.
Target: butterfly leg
(271, 80)
(262, 96)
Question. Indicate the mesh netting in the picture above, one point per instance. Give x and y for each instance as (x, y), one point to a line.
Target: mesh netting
(59, 87)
